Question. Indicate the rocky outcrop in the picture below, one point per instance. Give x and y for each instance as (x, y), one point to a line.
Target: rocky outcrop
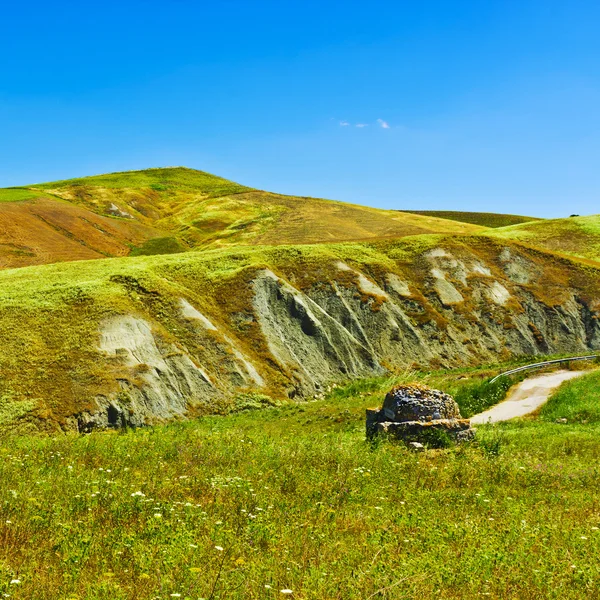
(417, 414)
(166, 384)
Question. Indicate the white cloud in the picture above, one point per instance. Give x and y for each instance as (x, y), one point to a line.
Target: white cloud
(383, 124)
(344, 123)
(362, 124)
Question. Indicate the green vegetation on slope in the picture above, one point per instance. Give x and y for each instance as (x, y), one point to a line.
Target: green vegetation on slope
(293, 498)
(578, 401)
(154, 246)
(476, 218)
(578, 236)
(17, 194)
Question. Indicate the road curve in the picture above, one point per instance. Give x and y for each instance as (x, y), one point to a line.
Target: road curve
(525, 397)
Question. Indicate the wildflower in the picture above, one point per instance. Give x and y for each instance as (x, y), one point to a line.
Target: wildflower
(157, 515)
(286, 591)
(175, 595)
(140, 494)
(219, 548)
(15, 581)
(582, 537)
(193, 546)
(267, 586)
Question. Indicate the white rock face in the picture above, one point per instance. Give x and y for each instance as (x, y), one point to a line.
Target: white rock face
(170, 382)
(480, 269)
(189, 312)
(446, 291)
(438, 253)
(398, 285)
(497, 293)
(303, 337)
(364, 285)
(250, 368)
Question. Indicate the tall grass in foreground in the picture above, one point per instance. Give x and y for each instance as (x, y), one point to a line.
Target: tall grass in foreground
(293, 498)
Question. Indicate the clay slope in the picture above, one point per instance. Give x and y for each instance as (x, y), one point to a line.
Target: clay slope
(139, 341)
(160, 211)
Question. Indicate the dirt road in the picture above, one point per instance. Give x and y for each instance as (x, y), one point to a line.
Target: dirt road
(525, 397)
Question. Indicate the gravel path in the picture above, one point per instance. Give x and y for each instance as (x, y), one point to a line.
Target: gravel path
(525, 397)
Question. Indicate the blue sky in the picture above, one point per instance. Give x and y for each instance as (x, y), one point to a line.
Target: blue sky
(465, 105)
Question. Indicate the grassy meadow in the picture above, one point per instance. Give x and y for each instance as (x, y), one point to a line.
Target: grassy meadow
(293, 502)
(576, 236)
(17, 194)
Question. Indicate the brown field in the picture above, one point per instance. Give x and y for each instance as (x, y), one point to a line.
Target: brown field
(47, 230)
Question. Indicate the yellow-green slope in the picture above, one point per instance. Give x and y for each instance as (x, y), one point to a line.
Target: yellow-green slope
(159, 211)
(578, 236)
(484, 219)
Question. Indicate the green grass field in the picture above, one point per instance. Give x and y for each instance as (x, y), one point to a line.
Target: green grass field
(17, 194)
(579, 402)
(476, 218)
(294, 498)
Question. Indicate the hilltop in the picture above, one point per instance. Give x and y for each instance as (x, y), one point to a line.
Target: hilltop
(169, 210)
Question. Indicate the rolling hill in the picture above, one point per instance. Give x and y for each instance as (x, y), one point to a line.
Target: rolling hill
(577, 236)
(483, 219)
(204, 292)
(161, 211)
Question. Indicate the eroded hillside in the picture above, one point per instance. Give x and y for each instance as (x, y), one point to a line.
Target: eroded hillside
(141, 340)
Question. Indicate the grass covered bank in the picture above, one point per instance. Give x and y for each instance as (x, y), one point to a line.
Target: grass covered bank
(293, 498)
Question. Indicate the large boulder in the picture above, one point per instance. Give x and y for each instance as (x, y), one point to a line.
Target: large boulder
(419, 403)
(416, 413)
